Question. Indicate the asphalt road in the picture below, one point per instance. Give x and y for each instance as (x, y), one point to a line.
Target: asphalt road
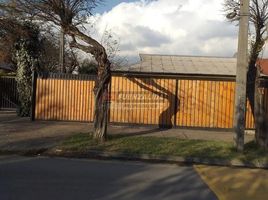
(56, 178)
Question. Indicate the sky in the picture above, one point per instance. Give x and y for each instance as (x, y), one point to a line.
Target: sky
(170, 27)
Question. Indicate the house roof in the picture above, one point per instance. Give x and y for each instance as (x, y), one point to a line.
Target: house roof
(192, 65)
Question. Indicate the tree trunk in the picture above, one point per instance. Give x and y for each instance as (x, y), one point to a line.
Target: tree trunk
(251, 80)
(261, 135)
(253, 92)
(62, 52)
(101, 92)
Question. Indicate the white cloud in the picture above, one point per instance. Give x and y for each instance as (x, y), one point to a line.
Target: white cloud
(183, 27)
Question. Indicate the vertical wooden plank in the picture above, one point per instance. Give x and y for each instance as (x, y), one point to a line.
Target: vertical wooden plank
(149, 93)
(61, 95)
(198, 105)
(124, 110)
(46, 108)
(195, 103)
(43, 107)
(70, 97)
(75, 98)
(37, 101)
(201, 99)
(227, 105)
(221, 104)
(212, 104)
(88, 107)
(227, 114)
(181, 99)
(83, 101)
(206, 104)
(112, 100)
(132, 102)
(139, 120)
(80, 100)
(52, 99)
(43, 102)
(116, 99)
(168, 102)
(69, 100)
(65, 99)
(56, 101)
(49, 98)
(116, 103)
(232, 104)
(73, 94)
(232, 86)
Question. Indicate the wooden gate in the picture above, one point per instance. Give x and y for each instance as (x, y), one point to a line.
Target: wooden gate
(142, 100)
(8, 93)
(64, 97)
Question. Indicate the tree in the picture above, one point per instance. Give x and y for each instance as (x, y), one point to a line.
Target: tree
(22, 44)
(258, 20)
(70, 15)
(88, 67)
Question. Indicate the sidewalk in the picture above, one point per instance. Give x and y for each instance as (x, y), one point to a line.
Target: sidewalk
(20, 134)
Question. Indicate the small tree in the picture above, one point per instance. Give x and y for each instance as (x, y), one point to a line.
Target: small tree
(25, 65)
(258, 20)
(22, 44)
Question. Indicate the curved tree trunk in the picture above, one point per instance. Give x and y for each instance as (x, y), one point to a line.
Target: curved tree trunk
(101, 90)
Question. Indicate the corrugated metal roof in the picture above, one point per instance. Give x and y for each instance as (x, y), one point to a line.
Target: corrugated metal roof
(167, 64)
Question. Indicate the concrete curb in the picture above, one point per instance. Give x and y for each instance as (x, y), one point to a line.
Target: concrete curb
(155, 158)
(135, 157)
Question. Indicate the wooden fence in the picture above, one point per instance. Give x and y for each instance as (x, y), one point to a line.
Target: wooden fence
(8, 93)
(64, 97)
(167, 102)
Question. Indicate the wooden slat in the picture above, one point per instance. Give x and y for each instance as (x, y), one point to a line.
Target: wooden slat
(201, 103)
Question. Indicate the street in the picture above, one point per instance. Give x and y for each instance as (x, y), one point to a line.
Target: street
(32, 178)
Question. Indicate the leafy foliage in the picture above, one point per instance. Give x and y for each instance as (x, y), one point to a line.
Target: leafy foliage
(88, 67)
(26, 63)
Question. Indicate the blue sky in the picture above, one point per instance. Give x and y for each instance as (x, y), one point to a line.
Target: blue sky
(107, 5)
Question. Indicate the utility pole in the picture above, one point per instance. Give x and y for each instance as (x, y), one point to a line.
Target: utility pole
(62, 46)
(241, 76)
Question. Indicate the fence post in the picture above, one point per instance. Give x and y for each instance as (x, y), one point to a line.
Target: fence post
(1, 93)
(109, 99)
(33, 100)
(176, 103)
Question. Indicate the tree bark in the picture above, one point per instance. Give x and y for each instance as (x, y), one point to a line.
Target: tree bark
(101, 92)
(261, 135)
(62, 52)
(253, 92)
(101, 89)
